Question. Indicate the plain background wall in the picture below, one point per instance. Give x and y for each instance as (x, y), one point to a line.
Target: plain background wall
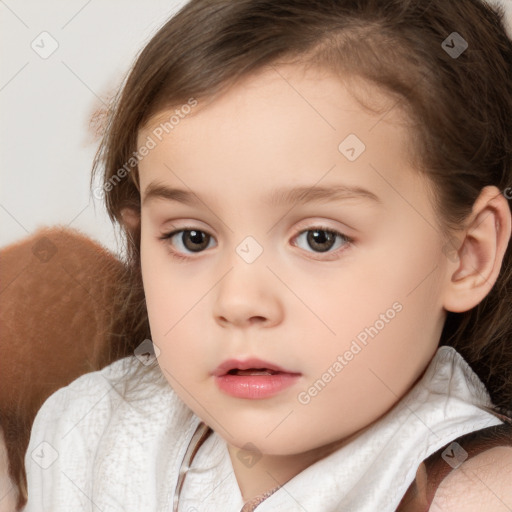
(46, 144)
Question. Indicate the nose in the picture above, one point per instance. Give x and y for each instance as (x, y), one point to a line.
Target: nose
(248, 295)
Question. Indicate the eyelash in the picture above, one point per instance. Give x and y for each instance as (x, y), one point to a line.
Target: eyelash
(166, 237)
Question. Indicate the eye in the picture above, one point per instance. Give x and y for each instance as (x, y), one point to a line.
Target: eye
(189, 239)
(182, 242)
(322, 239)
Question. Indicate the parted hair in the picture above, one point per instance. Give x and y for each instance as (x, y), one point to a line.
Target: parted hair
(459, 106)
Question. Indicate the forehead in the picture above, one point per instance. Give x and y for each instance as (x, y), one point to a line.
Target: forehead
(298, 87)
(286, 121)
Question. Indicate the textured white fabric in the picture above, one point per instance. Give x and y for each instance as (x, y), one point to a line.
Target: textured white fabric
(124, 455)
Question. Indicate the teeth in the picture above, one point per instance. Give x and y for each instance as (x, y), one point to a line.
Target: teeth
(254, 371)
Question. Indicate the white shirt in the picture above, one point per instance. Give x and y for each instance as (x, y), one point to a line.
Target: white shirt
(92, 450)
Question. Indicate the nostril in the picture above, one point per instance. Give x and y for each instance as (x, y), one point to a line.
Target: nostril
(257, 319)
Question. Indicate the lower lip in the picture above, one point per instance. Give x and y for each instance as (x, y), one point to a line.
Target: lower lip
(255, 387)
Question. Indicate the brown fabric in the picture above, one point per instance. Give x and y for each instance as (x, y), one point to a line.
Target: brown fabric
(433, 470)
(56, 292)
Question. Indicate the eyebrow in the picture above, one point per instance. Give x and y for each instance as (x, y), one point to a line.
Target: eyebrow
(283, 196)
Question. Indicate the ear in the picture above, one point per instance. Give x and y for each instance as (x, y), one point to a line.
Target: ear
(478, 260)
(130, 218)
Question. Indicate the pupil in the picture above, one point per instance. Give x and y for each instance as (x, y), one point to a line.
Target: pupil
(321, 239)
(196, 238)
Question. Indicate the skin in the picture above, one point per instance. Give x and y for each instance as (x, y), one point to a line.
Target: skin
(295, 306)
(482, 483)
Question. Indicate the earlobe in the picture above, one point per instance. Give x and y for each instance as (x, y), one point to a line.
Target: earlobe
(480, 255)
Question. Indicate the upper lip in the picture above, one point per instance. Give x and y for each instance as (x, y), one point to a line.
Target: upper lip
(247, 364)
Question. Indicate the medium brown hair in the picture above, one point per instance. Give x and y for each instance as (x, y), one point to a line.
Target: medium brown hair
(460, 108)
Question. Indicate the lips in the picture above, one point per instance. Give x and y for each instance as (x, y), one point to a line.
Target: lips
(253, 379)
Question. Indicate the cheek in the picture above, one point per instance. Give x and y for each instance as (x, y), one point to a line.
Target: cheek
(388, 319)
(352, 386)
(161, 298)
(173, 302)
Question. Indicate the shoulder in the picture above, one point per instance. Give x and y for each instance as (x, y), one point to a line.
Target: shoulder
(70, 421)
(71, 410)
(91, 423)
(84, 391)
(481, 484)
(96, 396)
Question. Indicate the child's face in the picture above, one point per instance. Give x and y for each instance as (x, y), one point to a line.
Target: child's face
(354, 324)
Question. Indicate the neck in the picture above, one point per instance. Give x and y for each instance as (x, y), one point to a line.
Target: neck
(257, 474)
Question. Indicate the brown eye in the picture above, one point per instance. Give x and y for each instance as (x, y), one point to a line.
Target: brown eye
(188, 240)
(322, 240)
(195, 241)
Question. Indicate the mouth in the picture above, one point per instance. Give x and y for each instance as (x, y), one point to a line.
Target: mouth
(250, 366)
(253, 378)
(252, 371)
